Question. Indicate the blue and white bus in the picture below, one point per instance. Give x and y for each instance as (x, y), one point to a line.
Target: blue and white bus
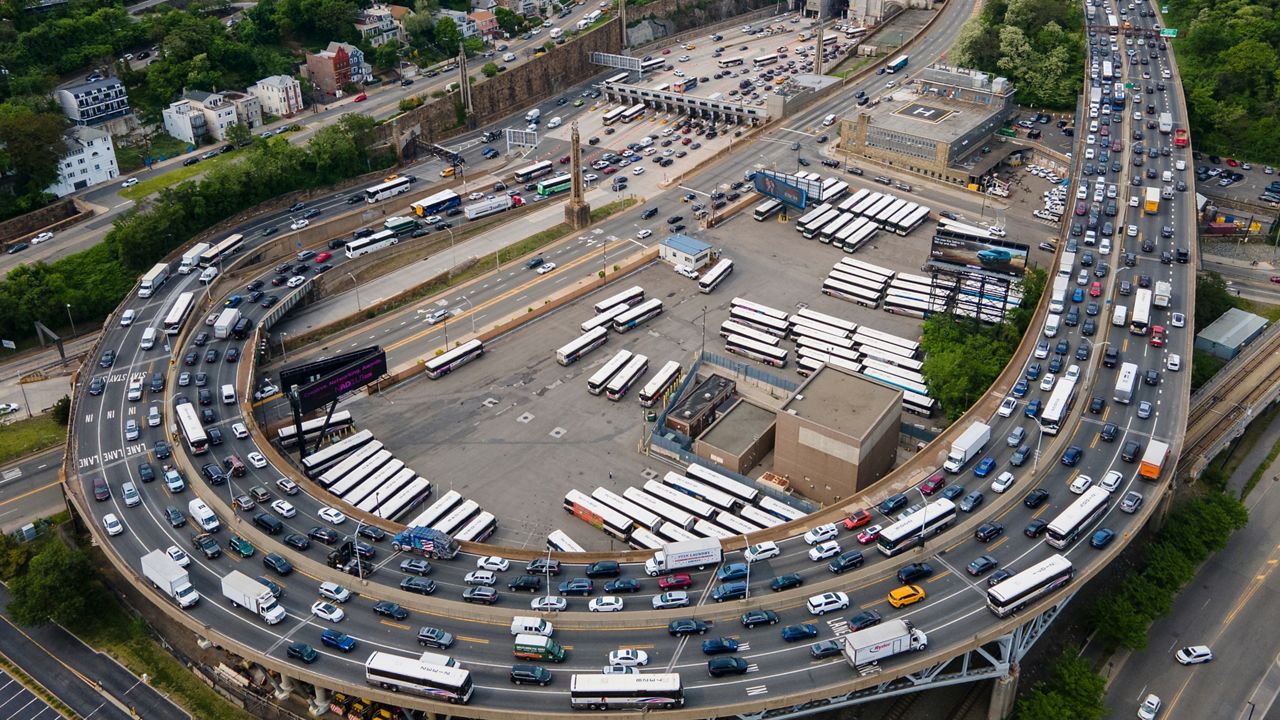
(581, 345)
(626, 377)
(451, 360)
(638, 315)
(437, 203)
(715, 275)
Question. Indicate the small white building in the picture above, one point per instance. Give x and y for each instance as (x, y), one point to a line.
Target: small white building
(280, 95)
(684, 250)
(90, 159)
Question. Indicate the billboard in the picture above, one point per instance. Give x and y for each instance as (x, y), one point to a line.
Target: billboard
(320, 383)
(775, 186)
(308, 372)
(988, 255)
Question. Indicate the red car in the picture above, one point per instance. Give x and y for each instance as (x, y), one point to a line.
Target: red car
(869, 535)
(1232, 162)
(609, 170)
(323, 257)
(1095, 289)
(933, 483)
(677, 581)
(564, 160)
(1157, 336)
(361, 98)
(666, 51)
(857, 519)
(1275, 278)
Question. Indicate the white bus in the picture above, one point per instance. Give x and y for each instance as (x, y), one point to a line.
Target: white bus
(756, 308)
(642, 539)
(626, 377)
(798, 323)
(349, 464)
(715, 275)
(192, 430)
(410, 496)
(919, 525)
(671, 533)
(390, 188)
(218, 252)
(896, 361)
(411, 675)
(436, 510)
(907, 386)
(638, 315)
(451, 360)
(1078, 517)
(315, 464)
(756, 516)
(732, 327)
(1126, 380)
(560, 541)
(581, 345)
(867, 201)
(854, 235)
(604, 319)
(374, 482)
(670, 514)
(635, 112)
(905, 374)
(643, 691)
(849, 203)
(766, 209)
(848, 326)
(614, 115)
(653, 64)
(896, 304)
(339, 422)
(619, 78)
(387, 490)
(809, 346)
(853, 277)
(1140, 319)
(701, 491)
(736, 524)
(921, 405)
(660, 384)
(911, 347)
(810, 361)
(178, 313)
(629, 297)
(780, 509)
(907, 224)
(612, 500)
(1029, 585)
(708, 529)
(536, 170)
(744, 493)
(811, 216)
(833, 189)
(479, 529)
(887, 213)
(613, 523)
(597, 382)
(1108, 71)
(852, 293)
(675, 497)
(1058, 407)
(764, 60)
(457, 517)
(372, 243)
(365, 470)
(803, 334)
(827, 232)
(152, 281)
(868, 268)
(881, 349)
(776, 327)
(747, 347)
(885, 201)
(729, 62)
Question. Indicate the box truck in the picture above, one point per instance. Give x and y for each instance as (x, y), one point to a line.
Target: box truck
(1153, 460)
(243, 591)
(685, 554)
(883, 641)
(170, 578)
(969, 444)
(226, 321)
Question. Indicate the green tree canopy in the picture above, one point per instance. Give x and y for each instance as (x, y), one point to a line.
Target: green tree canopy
(59, 585)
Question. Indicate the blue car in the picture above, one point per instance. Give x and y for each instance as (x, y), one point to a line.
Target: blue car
(732, 571)
(802, 631)
(233, 301)
(951, 492)
(1077, 295)
(1102, 538)
(1020, 388)
(717, 646)
(1033, 372)
(985, 467)
(1033, 408)
(893, 504)
(338, 640)
(1072, 456)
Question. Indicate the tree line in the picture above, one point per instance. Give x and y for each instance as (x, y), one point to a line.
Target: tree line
(1037, 44)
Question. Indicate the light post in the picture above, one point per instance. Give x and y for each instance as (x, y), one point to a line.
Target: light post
(282, 348)
(472, 310)
(747, 595)
(453, 257)
(925, 523)
(356, 285)
(73, 322)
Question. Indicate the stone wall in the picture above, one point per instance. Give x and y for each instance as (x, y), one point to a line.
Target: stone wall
(54, 216)
(662, 19)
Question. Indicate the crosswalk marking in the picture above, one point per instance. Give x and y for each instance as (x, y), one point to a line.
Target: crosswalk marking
(11, 474)
(758, 689)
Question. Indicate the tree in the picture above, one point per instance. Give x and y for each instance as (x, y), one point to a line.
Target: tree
(489, 69)
(448, 37)
(32, 143)
(60, 585)
(239, 134)
(473, 46)
(386, 57)
(509, 21)
(1073, 691)
(61, 412)
(1212, 298)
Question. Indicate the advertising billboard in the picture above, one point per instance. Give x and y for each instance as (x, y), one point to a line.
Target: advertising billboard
(347, 379)
(987, 255)
(775, 186)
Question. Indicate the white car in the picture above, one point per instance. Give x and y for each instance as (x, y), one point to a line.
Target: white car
(1007, 407)
(481, 577)
(637, 170)
(127, 317)
(1194, 655)
(492, 563)
(177, 555)
(821, 533)
(619, 670)
(1080, 484)
(683, 58)
(476, 196)
(549, 603)
(687, 271)
(288, 486)
(671, 599)
(257, 460)
(42, 237)
(1003, 482)
(327, 611)
(761, 551)
(433, 220)
(1111, 481)
(1150, 707)
(112, 524)
(331, 515)
(1073, 373)
(1173, 363)
(284, 508)
(608, 603)
(239, 430)
(299, 224)
(590, 177)
(1178, 320)
(1082, 192)
(1180, 165)
(822, 551)
(295, 281)
(628, 658)
(1131, 231)
(1046, 384)
(7, 408)
(129, 183)
(646, 232)
(545, 268)
(334, 592)
(1042, 350)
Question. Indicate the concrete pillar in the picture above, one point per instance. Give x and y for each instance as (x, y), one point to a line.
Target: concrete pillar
(284, 688)
(320, 702)
(1003, 693)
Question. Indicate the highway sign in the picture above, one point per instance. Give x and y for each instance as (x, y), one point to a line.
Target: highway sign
(1169, 32)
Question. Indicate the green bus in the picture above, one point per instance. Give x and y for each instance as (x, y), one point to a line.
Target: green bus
(400, 226)
(537, 647)
(555, 185)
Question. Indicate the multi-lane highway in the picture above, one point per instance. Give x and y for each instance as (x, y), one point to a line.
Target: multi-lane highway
(952, 614)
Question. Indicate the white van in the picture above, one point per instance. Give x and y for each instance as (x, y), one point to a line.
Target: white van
(1051, 325)
(203, 515)
(525, 625)
(1119, 316)
(1166, 177)
(554, 122)
(1167, 192)
(509, 57)
(228, 395)
(208, 274)
(645, 141)
(430, 658)
(127, 317)
(829, 120)
(148, 339)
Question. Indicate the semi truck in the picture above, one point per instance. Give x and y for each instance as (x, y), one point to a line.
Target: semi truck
(883, 641)
(1058, 300)
(1166, 123)
(170, 578)
(1151, 204)
(486, 208)
(191, 258)
(225, 323)
(1153, 460)
(684, 554)
(243, 591)
(968, 445)
(425, 541)
(1163, 294)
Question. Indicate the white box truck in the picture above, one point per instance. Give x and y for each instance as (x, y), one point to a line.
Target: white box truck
(882, 641)
(1166, 123)
(968, 445)
(1058, 300)
(226, 321)
(685, 554)
(191, 258)
(533, 116)
(243, 591)
(172, 579)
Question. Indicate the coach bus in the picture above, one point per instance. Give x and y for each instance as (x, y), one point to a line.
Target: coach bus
(411, 675)
(390, 188)
(439, 202)
(1024, 588)
(581, 345)
(633, 113)
(339, 421)
(644, 518)
(218, 252)
(613, 523)
(747, 347)
(349, 464)
(670, 514)
(733, 327)
(1079, 516)
(410, 496)
(437, 510)
(614, 115)
(372, 243)
(597, 382)
(604, 319)
(560, 541)
(746, 494)
(766, 209)
(643, 691)
(852, 293)
(916, 527)
(178, 313)
(555, 185)
(451, 360)
(478, 529)
(629, 297)
(764, 60)
(653, 64)
(660, 384)
(729, 62)
(775, 326)
(642, 539)
(846, 325)
(457, 517)
(626, 377)
(536, 170)
(674, 497)
(192, 430)
(315, 464)
(715, 275)
(638, 315)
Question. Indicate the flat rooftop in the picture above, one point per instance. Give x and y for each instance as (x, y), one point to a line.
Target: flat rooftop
(928, 116)
(737, 429)
(700, 398)
(842, 401)
(1233, 328)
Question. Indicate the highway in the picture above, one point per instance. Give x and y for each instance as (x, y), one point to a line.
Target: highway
(951, 614)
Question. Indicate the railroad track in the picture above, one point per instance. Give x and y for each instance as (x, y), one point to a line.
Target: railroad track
(1217, 413)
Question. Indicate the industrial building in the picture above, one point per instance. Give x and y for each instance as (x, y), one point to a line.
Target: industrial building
(1230, 333)
(739, 438)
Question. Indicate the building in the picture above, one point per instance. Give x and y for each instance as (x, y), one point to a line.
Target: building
(361, 71)
(90, 159)
(486, 24)
(527, 8)
(739, 438)
(927, 129)
(485, 5)
(684, 250)
(378, 26)
(836, 435)
(466, 26)
(330, 70)
(279, 95)
(697, 410)
(248, 108)
(1230, 333)
(200, 113)
(94, 102)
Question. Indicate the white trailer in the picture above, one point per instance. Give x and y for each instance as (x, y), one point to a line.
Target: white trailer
(883, 641)
(170, 578)
(679, 555)
(243, 591)
(225, 322)
(191, 258)
(969, 444)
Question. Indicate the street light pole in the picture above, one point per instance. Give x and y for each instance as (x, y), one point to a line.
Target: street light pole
(472, 310)
(356, 285)
(73, 322)
(282, 348)
(925, 510)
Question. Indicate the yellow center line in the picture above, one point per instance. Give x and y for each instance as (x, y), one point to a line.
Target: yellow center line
(991, 547)
(468, 638)
(395, 625)
(939, 576)
(650, 646)
(31, 492)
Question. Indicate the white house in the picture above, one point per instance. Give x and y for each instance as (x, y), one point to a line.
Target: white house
(90, 159)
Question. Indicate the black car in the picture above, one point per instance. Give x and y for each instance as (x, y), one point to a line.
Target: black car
(622, 585)
(864, 620)
(846, 560)
(1096, 404)
(530, 675)
(211, 355)
(174, 516)
(786, 582)
(914, 571)
(1130, 452)
(208, 545)
(328, 536)
(753, 618)
(269, 301)
(678, 628)
(726, 665)
(108, 359)
(893, 504)
(97, 386)
(297, 541)
(1036, 528)
(201, 339)
(1036, 498)
(313, 212)
(982, 564)
(1151, 377)
(1109, 432)
(145, 473)
(372, 532)
(603, 569)
(386, 608)
(988, 531)
(303, 652)
(277, 563)
(161, 450)
(526, 583)
(215, 436)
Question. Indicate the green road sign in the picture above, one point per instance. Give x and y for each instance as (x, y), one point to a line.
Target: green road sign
(1169, 32)
(1128, 86)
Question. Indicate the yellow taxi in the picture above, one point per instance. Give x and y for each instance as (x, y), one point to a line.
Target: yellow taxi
(906, 595)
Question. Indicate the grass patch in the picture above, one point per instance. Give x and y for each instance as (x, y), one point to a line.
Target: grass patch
(850, 67)
(1240, 449)
(1266, 310)
(27, 436)
(132, 157)
(173, 177)
(127, 640)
